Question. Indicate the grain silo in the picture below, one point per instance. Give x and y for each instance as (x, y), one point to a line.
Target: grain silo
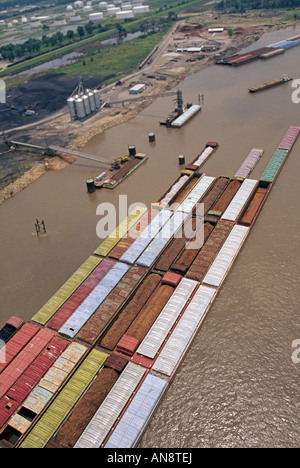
(97, 99)
(72, 108)
(80, 110)
(83, 102)
(87, 105)
(92, 101)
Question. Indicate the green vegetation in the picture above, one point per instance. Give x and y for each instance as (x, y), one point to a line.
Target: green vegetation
(36, 47)
(242, 5)
(34, 51)
(116, 61)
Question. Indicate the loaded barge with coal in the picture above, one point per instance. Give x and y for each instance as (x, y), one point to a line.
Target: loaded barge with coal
(93, 364)
(270, 84)
(121, 168)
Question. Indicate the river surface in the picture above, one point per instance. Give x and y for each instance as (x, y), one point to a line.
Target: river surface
(238, 385)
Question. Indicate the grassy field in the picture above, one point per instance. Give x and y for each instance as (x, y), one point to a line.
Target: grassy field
(118, 60)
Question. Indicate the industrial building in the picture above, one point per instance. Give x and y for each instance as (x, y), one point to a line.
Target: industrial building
(137, 89)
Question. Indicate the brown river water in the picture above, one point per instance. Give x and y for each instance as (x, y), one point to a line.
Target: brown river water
(238, 385)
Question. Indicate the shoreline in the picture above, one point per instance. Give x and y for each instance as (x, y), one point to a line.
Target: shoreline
(84, 132)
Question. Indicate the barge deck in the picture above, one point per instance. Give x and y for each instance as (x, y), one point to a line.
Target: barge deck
(270, 84)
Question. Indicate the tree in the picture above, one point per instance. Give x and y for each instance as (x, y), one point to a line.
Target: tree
(70, 34)
(10, 55)
(89, 28)
(80, 31)
(60, 37)
(53, 40)
(121, 32)
(45, 40)
(19, 50)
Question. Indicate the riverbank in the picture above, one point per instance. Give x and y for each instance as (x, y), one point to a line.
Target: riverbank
(166, 71)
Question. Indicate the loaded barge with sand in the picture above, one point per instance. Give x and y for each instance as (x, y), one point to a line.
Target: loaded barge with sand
(93, 364)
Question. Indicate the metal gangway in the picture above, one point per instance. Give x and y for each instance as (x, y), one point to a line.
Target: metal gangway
(78, 154)
(52, 150)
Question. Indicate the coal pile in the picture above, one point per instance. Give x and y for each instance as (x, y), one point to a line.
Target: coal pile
(43, 95)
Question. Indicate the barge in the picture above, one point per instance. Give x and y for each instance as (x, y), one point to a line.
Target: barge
(115, 334)
(181, 114)
(186, 116)
(263, 53)
(121, 169)
(270, 84)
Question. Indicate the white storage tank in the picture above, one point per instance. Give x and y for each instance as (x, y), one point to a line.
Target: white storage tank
(126, 7)
(69, 8)
(140, 9)
(78, 4)
(87, 105)
(96, 16)
(124, 14)
(92, 101)
(97, 99)
(80, 110)
(113, 10)
(72, 109)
